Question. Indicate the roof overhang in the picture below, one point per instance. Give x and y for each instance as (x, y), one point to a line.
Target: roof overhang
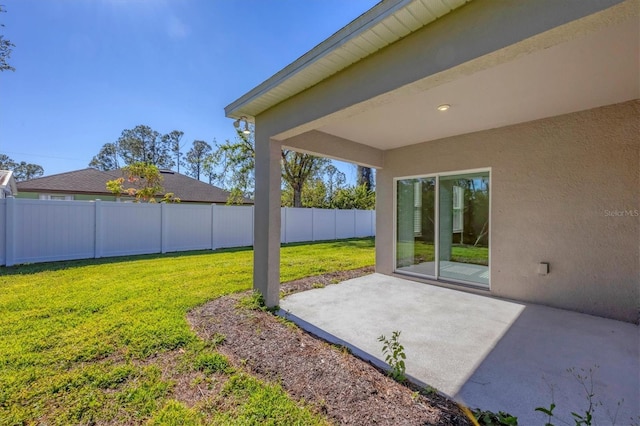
(589, 60)
(380, 26)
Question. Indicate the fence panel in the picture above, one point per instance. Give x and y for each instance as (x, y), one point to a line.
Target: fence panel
(52, 230)
(298, 224)
(363, 223)
(345, 224)
(42, 230)
(129, 228)
(187, 227)
(232, 226)
(324, 224)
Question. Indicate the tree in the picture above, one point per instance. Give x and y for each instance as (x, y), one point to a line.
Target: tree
(140, 144)
(6, 47)
(314, 194)
(236, 161)
(237, 164)
(196, 158)
(6, 163)
(335, 181)
(173, 140)
(319, 190)
(354, 197)
(143, 181)
(365, 177)
(25, 171)
(21, 171)
(298, 168)
(107, 158)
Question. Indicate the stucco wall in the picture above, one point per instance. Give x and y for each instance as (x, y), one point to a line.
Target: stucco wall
(565, 190)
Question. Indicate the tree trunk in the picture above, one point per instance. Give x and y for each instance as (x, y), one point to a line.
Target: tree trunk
(297, 195)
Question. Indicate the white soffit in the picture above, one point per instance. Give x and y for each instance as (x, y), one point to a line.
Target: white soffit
(382, 25)
(596, 69)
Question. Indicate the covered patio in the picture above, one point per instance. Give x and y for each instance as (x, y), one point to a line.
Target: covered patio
(486, 352)
(505, 138)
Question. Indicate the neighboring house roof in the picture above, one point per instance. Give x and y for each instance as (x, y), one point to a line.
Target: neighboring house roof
(92, 181)
(7, 182)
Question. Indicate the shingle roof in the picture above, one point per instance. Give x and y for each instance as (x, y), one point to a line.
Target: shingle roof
(92, 181)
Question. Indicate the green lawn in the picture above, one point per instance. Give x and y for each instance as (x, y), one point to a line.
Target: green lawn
(78, 339)
(425, 252)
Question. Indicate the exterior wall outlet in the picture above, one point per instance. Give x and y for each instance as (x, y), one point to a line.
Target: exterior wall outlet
(543, 268)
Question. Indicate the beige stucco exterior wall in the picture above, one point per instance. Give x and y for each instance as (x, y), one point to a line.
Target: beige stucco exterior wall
(565, 190)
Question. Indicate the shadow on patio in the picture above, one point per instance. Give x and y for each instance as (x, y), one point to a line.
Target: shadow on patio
(486, 352)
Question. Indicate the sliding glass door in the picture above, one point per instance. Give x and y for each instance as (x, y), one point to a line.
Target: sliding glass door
(442, 227)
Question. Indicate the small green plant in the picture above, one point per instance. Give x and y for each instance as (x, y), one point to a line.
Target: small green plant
(217, 339)
(585, 378)
(210, 363)
(489, 418)
(317, 285)
(429, 390)
(255, 301)
(394, 355)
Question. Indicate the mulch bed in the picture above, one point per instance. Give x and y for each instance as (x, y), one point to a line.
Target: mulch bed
(340, 386)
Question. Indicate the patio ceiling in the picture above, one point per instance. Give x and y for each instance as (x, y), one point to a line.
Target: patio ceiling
(593, 69)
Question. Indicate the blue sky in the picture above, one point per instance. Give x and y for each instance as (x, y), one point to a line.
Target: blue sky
(88, 69)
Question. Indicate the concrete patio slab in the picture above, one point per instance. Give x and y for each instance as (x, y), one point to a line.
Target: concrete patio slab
(486, 352)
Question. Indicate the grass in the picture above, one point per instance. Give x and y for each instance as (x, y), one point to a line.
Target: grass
(425, 252)
(78, 339)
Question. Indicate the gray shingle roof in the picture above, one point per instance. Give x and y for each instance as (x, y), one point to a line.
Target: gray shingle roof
(92, 181)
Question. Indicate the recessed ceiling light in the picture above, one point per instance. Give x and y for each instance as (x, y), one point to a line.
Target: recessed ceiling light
(443, 107)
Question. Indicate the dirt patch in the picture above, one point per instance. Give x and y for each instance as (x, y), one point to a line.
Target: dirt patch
(344, 388)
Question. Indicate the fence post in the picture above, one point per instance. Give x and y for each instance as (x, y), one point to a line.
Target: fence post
(373, 222)
(97, 247)
(355, 225)
(213, 226)
(284, 226)
(313, 223)
(335, 224)
(164, 225)
(253, 225)
(10, 225)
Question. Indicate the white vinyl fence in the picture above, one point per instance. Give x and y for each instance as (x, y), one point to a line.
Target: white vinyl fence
(34, 231)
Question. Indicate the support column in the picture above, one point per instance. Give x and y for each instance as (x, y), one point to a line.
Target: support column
(266, 246)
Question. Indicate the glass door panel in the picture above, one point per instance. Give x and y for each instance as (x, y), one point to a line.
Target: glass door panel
(463, 243)
(415, 245)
